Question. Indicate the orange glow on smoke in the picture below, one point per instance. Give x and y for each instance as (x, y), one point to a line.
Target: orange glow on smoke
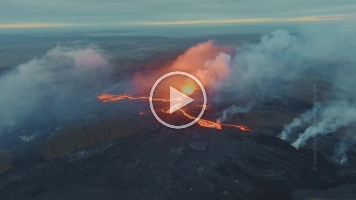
(206, 61)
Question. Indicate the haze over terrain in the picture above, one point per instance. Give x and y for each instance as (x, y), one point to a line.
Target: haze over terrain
(75, 79)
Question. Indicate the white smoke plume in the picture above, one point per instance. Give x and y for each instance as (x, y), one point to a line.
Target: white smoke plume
(259, 71)
(305, 119)
(229, 112)
(332, 117)
(281, 57)
(340, 154)
(340, 151)
(264, 64)
(337, 109)
(35, 89)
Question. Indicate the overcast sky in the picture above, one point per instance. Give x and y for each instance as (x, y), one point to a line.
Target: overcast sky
(22, 13)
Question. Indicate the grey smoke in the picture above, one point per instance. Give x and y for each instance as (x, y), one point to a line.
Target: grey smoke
(305, 119)
(53, 84)
(229, 112)
(260, 70)
(333, 116)
(264, 64)
(340, 151)
(282, 57)
(338, 107)
(340, 154)
(346, 143)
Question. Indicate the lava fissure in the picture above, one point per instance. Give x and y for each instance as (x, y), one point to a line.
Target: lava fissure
(201, 122)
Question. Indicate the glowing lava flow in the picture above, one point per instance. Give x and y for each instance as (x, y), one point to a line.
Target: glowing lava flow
(201, 122)
(112, 98)
(209, 124)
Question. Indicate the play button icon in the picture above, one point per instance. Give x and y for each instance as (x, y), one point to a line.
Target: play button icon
(177, 100)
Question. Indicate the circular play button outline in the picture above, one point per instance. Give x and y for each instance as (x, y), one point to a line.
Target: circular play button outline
(184, 74)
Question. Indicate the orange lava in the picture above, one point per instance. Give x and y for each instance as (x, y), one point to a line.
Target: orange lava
(211, 124)
(201, 122)
(112, 98)
(244, 128)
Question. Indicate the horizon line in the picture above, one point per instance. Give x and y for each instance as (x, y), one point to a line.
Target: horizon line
(188, 22)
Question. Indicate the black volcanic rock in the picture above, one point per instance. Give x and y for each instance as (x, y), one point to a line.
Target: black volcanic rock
(89, 133)
(199, 145)
(160, 165)
(264, 118)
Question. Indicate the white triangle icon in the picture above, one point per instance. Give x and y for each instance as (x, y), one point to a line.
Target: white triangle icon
(177, 100)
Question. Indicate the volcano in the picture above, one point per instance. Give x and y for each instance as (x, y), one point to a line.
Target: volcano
(198, 162)
(106, 144)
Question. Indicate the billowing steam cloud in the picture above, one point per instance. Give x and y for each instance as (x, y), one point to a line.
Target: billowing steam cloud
(38, 89)
(206, 61)
(214, 71)
(209, 63)
(281, 58)
(332, 117)
(305, 119)
(264, 64)
(259, 71)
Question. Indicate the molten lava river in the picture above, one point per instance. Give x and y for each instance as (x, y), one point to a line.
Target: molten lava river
(187, 90)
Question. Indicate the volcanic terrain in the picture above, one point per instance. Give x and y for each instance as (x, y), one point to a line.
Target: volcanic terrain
(104, 143)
